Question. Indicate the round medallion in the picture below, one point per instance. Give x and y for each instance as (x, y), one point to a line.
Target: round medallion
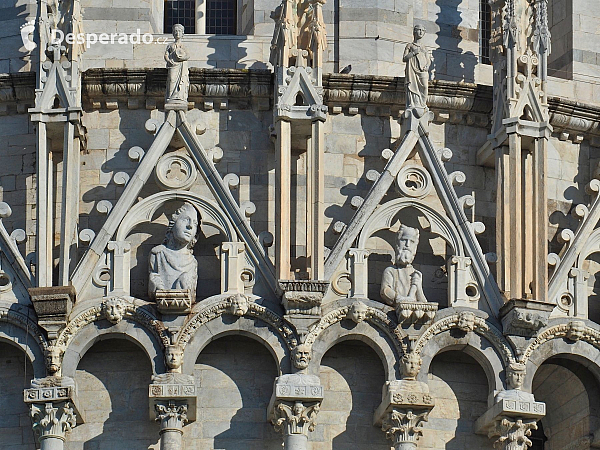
(414, 181)
(175, 171)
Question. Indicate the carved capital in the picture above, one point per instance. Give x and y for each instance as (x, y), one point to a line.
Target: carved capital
(404, 427)
(172, 415)
(52, 420)
(525, 317)
(295, 417)
(512, 433)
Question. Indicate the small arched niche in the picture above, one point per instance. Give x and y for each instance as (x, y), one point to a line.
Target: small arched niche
(460, 388)
(112, 381)
(433, 251)
(236, 375)
(572, 398)
(146, 235)
(352, 376)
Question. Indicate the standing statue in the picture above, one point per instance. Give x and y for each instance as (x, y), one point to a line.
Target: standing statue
(172, 265)
(418, 60)
(402, 282)
(178, 81)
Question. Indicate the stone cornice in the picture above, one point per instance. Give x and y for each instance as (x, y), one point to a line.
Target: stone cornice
(375, 95)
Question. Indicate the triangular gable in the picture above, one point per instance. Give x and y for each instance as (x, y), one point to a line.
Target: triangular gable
(176, 121)
(56, 86)
(312, 100)
(451, 203)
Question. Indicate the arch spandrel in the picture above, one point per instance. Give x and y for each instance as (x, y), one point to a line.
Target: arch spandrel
(27, 343)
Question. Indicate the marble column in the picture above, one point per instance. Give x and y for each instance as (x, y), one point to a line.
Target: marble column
(294, 407)
(172, 417)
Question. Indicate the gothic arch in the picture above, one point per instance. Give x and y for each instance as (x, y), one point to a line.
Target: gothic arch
(143, 212)
(384, 215)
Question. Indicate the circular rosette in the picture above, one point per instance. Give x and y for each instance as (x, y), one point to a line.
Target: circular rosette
(176, 171)
(414, 181)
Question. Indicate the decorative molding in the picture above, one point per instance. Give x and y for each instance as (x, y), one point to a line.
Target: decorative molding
(132, 312)
(277, 323)
(480, 327)
(573, 330)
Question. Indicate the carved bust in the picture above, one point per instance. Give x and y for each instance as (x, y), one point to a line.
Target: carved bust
(410, 365)
(418, 60)
(358, 312)
(176, 57)
(515, 377)
(53, 357)
(174, 357)
(301, 356)
(402, 282)
(172, 265)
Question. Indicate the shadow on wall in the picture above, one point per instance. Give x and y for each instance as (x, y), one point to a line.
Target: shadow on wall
(227, 54)
(236, 376)
(460, 387)
(449, 60)
(352, 375)
(112, 379)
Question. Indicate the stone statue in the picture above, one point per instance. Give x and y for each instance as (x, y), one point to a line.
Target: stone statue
(301, 356)
(358, 312)
(410, 364)
(113, 309)
(515, 376)
(418, 60)
(53, 357)
(402, 282)
(172, 265)
(174, 357)
(178, 81)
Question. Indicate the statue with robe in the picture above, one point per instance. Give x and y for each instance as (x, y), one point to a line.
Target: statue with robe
(178, 81)
(172, 265)
(418, 60)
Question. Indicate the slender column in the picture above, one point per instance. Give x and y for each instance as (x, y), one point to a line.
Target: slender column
(502, 223)
(514, 213)
(172, 417)
(43, 271)
(69, 201)
(317, 201)
(51, 421)
(540, 242)
(283, 199)
(120, 259)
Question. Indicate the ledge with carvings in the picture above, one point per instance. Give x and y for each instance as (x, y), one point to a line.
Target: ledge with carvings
(375, 95)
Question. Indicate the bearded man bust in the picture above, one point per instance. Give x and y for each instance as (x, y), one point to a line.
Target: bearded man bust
(401, 282)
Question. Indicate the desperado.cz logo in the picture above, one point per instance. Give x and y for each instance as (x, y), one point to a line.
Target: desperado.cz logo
(87, 39)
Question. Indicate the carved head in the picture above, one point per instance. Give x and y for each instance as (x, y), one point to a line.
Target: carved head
(515, 375)
(183, 228)
(410, 365)
(575, 330)
(174, 357)
(238, 304)
(466, 321)
(419, 31)
(53, 356)
(358, 312)
(301, 356)
(113, 309)
(406, 245)
(178, 31)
